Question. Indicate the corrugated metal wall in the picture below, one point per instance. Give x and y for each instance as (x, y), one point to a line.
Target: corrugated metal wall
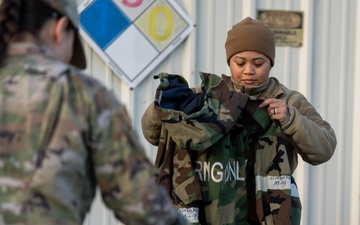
(325, 69)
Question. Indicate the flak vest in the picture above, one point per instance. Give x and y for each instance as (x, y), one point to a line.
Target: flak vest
(220, 157)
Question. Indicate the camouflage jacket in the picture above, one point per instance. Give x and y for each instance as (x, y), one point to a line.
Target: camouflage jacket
(62, 135)
(220, 156)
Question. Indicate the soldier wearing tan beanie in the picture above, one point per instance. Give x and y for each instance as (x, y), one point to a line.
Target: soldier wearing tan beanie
(250, 35)
(250, 54)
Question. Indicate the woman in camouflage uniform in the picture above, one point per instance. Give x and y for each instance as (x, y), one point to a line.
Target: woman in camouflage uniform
(250, 51)
(62, 134)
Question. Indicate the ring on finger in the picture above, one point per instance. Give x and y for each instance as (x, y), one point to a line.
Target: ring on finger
(275, 111)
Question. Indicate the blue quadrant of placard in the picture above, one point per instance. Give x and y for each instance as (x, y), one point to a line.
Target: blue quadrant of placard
(103, 21)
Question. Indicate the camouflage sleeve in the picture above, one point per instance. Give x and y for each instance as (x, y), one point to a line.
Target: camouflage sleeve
(122, 170)
(151, 125)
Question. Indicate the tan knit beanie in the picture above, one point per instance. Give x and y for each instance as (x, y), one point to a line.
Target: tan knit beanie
(250, 35)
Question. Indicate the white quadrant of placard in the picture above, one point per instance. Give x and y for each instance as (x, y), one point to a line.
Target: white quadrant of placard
(129, 59)
(133, 36)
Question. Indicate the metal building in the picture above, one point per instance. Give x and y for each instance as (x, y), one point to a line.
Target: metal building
(323, 68)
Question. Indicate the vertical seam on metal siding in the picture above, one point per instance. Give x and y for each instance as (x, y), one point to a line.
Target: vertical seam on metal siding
(355, 186)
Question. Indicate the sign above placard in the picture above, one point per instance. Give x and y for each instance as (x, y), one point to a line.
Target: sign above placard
(286, 25)
(133, 36)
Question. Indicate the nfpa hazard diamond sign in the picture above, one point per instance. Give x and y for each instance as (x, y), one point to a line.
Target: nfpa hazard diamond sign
(133, 36)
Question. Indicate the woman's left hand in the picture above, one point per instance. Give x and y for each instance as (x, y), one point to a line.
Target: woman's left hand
(277, 109)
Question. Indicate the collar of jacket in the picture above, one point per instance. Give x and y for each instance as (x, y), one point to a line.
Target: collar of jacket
(270, 89)
(37, 59)
(250, 90)
(28, 48)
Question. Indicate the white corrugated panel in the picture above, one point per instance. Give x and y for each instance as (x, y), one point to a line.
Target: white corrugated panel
(324, 69)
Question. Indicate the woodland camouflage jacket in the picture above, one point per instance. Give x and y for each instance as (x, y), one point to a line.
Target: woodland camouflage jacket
(221, 158)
